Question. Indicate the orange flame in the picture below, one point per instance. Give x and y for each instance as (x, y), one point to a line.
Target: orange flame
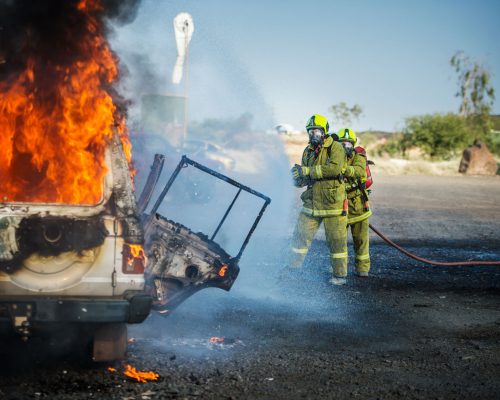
(216, 339)
(56, 121)
(223, 270)
(136, 250)
(140, 376)
(134, 258)
(111, 369)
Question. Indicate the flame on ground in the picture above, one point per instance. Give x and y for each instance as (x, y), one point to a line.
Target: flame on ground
(216, 340)
(140, 376)
(56, 120)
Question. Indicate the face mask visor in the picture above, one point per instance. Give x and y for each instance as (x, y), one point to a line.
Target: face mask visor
(348, 147)
(315, 136)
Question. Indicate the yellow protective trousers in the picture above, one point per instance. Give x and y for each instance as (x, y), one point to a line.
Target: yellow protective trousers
(336, 237)
(360, 238)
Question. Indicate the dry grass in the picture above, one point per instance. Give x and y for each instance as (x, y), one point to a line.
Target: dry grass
(398, 166)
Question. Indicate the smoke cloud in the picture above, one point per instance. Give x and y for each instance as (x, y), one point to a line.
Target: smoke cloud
(54, 31)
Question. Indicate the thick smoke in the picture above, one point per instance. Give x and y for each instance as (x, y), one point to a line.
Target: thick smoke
(52, 36)
(54, 31)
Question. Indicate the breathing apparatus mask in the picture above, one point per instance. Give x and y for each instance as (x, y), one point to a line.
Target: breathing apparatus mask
(348, 148)
(315, 136)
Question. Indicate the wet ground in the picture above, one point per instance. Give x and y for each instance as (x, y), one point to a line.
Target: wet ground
(408, 331)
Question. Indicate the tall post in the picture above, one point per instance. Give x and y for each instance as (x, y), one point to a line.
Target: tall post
(183, 29)
(186, 84)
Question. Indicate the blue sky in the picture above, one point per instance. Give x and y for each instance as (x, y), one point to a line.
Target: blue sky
(285, 60)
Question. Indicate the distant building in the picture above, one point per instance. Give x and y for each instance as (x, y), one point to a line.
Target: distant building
(164, 115)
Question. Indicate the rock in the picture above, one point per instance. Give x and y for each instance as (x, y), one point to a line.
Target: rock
(478, 160)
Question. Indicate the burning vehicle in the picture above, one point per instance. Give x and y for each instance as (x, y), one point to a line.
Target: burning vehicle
(75, 246)
(85, 264)
(76, 263)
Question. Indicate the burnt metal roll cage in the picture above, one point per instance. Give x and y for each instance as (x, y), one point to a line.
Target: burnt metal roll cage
(184, 163)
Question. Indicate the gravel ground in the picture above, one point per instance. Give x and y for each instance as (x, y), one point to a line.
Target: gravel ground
(409, 331)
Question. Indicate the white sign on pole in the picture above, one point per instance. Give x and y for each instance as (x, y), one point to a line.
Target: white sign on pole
(183, 28)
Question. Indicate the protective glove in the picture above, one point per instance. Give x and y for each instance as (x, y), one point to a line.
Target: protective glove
(342, 176)
(299, 171)
(296, 176)
(349, 171)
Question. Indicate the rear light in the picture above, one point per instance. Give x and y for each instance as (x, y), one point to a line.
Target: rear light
(223, 270)
(134, 259)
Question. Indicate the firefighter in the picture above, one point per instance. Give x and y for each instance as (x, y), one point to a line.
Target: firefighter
(359, 209)
(324, 200)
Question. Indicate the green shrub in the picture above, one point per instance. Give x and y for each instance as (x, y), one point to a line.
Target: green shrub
(494, 142)
(393, 146)
(438, 136)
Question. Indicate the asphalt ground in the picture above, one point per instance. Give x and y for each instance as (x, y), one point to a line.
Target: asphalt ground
(408, 331)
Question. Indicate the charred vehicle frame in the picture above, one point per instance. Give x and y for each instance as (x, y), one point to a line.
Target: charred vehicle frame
(85, 265)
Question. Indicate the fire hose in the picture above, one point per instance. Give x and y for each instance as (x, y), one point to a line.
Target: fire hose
(425, 260)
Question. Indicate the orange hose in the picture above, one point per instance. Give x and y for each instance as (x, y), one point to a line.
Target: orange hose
(425, 260)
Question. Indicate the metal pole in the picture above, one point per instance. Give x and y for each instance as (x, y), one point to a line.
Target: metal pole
(252, 229)
(149, 187)
(186, 85)
(168, 185)
(225, 178)
(226, 214)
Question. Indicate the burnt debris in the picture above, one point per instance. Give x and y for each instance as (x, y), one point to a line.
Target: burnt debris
(47, 236)
(181, 262)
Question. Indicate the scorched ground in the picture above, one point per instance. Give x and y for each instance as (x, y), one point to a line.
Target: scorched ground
(406, 332)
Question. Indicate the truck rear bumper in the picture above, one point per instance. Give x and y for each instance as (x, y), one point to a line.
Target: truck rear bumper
(132, 308)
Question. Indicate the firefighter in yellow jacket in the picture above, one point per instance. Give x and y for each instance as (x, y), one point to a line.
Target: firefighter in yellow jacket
(359, 209)
(324, 200)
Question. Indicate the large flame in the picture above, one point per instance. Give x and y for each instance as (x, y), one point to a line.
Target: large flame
(56, 120)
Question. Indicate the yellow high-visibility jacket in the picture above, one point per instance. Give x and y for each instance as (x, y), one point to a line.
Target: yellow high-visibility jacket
(325, 192)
